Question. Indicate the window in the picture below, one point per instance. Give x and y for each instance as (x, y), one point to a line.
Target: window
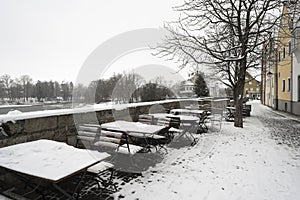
(283, 85)
(290, 48)
(289, 84)
(250, 82)
(278, 56)
(283, 52)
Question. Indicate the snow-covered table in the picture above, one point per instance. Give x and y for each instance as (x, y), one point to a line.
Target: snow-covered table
(187, 111)
(48, 160)
(133, 127)
(183, 118)
(137, 130)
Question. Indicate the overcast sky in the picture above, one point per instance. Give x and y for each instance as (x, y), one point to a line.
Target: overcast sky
(51, 39)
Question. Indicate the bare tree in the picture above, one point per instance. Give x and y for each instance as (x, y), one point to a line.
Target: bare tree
(125, 87)
(25, 81)
(224, 34)
(7, 83)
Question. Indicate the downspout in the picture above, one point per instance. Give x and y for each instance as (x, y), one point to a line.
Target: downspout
(291, 82)
(276, 80)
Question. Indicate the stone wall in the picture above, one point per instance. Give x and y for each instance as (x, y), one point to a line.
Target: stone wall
(63, 127)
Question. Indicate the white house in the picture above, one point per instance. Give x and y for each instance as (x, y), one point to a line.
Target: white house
(187, 89)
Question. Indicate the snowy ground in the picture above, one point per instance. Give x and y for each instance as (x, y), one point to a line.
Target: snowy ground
(260, 161)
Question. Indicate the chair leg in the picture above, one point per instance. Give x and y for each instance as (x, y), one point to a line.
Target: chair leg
(105, 184)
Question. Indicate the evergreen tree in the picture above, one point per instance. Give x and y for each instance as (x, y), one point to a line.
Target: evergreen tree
(200, 87)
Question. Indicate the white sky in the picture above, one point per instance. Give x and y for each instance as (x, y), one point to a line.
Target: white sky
(51, 39)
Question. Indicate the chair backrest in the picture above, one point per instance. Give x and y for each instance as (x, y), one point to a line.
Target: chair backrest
(146, 119)
(164, 122)
(115, 141)
(175, 122)
(93, 134)
(87, 134)
(109, 139)
(169, 122)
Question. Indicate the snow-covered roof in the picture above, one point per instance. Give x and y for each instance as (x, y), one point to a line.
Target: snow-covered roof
(187, 83)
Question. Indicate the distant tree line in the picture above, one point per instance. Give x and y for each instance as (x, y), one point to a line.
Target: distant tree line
(24, 89)
(120, 88)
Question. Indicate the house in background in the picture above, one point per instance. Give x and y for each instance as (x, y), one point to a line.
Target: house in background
(187, 89)
(252, 87)
(215, 86)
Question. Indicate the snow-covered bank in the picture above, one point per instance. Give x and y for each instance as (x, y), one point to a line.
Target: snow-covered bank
(235, 164)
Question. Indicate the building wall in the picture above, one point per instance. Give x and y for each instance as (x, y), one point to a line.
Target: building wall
(284, 63)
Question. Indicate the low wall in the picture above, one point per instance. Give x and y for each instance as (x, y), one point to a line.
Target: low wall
(296, 108)
(63, 127)
(284, 105)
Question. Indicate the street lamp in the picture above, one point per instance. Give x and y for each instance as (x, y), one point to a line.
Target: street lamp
(269, 74)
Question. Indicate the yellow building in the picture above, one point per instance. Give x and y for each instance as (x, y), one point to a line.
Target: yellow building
(284, 62)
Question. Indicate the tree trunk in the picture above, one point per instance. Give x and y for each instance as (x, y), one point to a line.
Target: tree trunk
(238, 118)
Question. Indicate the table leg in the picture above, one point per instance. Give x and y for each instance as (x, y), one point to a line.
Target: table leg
(75, 190)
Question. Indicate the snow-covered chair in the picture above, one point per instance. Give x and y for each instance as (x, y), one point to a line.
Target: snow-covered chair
(106, 139)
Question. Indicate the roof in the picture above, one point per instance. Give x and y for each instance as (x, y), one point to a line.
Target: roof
(293, 9)
(188, 83)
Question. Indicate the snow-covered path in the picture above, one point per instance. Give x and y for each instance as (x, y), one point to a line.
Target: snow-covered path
(237, 163)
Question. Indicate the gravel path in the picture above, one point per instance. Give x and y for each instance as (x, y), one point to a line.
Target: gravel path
(284, 129)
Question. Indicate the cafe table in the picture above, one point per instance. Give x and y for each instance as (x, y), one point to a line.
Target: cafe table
(48, 161)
